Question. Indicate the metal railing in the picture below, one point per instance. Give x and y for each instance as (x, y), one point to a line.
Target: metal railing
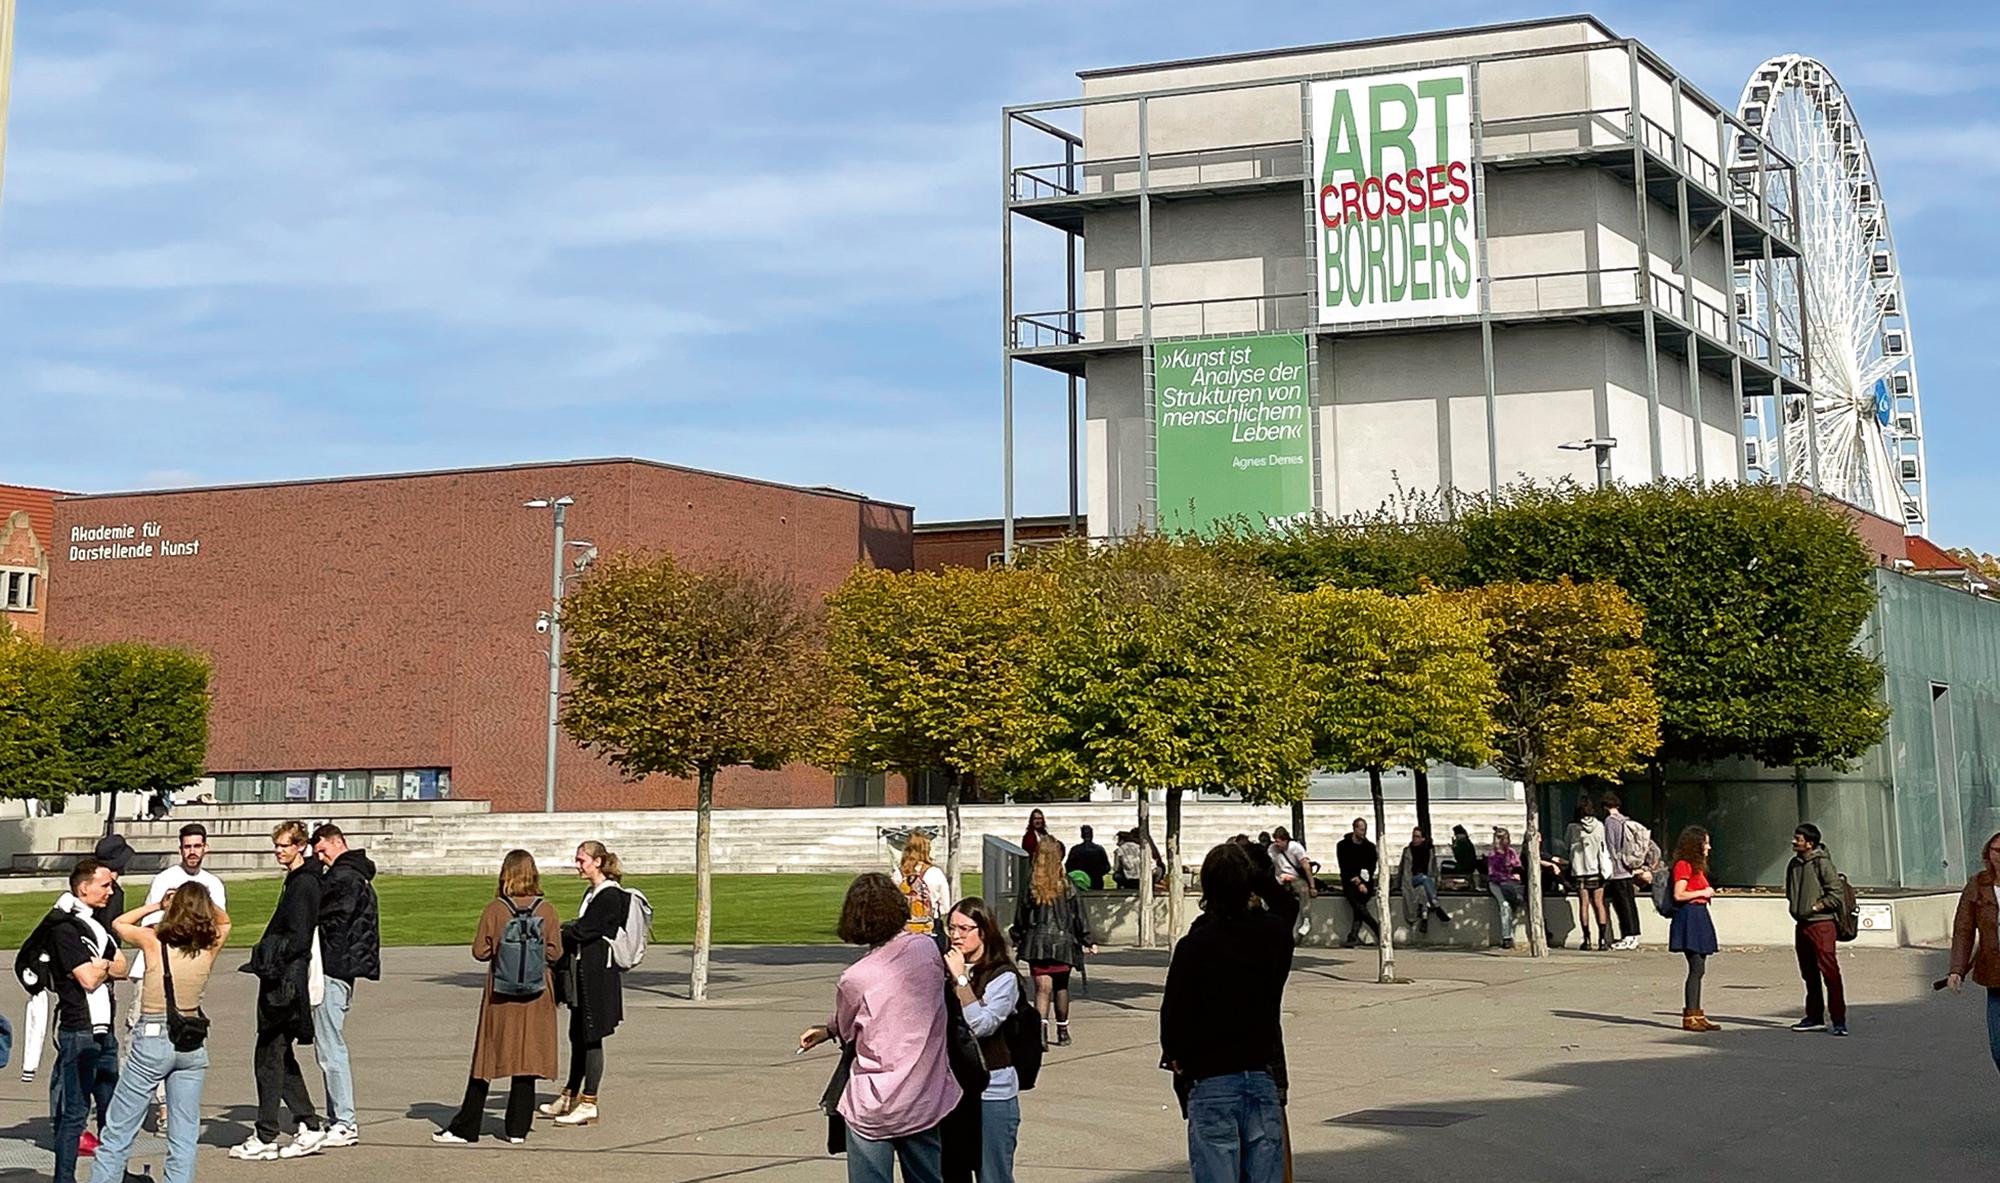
(1282, 160)
(1172, 318)
(1557, 131)
(1562, 291)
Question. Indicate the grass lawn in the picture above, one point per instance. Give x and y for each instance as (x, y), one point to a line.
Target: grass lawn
(443, 909)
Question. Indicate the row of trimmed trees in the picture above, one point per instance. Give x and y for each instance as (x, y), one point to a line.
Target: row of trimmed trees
(117, 719)
(1556, 634)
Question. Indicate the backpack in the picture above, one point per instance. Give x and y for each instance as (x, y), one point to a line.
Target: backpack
(1024, 1038)
(924, 917)
(1847, 921)
(628, 948)
(1663, 894)
(1636, 850)
(521, 961)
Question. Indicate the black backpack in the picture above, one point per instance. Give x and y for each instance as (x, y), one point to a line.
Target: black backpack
(1847, 921)
(521, 961)
(1024, 1038)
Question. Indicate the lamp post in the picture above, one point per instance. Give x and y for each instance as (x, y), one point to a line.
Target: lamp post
(1601, 446)
(552, 624)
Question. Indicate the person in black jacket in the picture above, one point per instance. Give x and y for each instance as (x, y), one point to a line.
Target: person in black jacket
(282, 962)
(1220, 1030)
(350, 948)
(597, 999)
(1087, 856)
(1359, 862)
(1052, 934)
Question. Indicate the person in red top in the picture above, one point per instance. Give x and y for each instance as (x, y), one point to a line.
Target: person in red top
(1692, 932)
(1038, 829)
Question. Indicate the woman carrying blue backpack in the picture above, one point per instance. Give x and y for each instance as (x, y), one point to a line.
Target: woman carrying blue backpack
(519, 938)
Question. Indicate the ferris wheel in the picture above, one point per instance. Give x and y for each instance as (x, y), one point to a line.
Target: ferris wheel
(1858, 433)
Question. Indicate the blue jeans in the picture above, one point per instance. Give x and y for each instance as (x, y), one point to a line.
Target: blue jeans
(86, 1070)
(922, 1156)
(1423, 883)
(1236, 1130)
(1509, 896)
(330, 1044)
(152, 1061)
(999, 1132)
(1993, 1024)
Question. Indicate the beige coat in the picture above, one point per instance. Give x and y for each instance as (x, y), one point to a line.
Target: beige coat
(516, 1038)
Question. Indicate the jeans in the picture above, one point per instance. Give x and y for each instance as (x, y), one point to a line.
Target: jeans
(154, 1061)
(999, 1131)
(1509, 896)
(1993, 1024)
(1423, 883)
(1818, 958)
(330, 1043)
(1303, 890)
(1357, 907)
(1236, 1130)
(1621, 895)
(922, 1156)
(279, 1082)
(86, 1070)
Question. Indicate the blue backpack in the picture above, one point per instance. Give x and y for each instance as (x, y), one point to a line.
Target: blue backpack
(521, 962)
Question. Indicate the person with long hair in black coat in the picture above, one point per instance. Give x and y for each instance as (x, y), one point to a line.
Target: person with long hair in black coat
(597, 1003)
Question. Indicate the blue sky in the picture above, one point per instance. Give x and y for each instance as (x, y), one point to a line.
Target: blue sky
(242, 240)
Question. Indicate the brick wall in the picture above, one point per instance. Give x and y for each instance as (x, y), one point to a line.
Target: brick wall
(27, 526)
(389, 622)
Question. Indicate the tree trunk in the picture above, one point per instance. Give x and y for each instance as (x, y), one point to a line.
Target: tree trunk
(1385, 947)
(1176, 891)
(951, 835)
(111, 815)
(1299, 821)
(704, 900)
(1531, 871)
(1423, 782)
(1146, 876)
(1656, 776)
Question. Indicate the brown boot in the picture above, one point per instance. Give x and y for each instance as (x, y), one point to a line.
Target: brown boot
(1702, 1018)
(1691, 1021)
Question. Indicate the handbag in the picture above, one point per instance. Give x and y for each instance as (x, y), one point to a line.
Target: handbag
(829, 1102)
(186, 1030)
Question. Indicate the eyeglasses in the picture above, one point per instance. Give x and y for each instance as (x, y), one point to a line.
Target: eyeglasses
(283, 845)
(965, 928)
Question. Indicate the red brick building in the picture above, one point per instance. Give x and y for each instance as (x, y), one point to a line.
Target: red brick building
(27, 530)
(977, 544)
(375, 636)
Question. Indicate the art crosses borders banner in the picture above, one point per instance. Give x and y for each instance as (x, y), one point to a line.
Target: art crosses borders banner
(1394, 212)
(1234, 419)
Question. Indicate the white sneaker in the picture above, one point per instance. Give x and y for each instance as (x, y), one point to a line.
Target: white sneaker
(254, 1149)
(447, 1138)
(340, 1134)
(306, 1141)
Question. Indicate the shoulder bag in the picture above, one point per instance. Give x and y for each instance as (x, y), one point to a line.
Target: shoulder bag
(186, 1030)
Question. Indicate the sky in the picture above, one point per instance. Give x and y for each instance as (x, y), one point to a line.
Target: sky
(245, 241)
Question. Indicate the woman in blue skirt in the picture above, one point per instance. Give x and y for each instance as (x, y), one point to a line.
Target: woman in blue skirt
(1692, 933)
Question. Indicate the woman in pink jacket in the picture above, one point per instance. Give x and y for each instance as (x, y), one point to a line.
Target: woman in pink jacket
(890, 1009)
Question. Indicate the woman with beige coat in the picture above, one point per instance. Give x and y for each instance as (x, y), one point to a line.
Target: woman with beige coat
(517, 1033)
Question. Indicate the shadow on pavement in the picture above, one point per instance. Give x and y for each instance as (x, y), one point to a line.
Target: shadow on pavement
(1755, 1100)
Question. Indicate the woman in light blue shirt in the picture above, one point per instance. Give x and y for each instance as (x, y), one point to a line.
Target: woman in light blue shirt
(989, 989)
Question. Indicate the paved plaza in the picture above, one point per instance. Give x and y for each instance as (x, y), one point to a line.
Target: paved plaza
(1484, 1066)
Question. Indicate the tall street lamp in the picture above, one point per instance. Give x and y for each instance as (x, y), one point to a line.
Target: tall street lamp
(551, 623)
(1601, 445)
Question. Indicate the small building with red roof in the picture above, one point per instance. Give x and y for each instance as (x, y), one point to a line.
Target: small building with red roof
(27, 535)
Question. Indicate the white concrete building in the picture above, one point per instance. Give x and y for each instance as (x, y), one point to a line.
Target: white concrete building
(1608, 203)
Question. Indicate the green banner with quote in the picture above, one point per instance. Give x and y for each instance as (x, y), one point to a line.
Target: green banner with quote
(1234, 420)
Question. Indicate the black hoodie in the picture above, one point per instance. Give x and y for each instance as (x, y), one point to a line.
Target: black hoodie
(350, 930)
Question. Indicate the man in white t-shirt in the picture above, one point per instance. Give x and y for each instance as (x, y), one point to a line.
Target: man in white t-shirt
(194, 848)
(1288, 859)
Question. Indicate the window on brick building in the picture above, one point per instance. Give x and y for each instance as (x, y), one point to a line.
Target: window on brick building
(19, 587)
